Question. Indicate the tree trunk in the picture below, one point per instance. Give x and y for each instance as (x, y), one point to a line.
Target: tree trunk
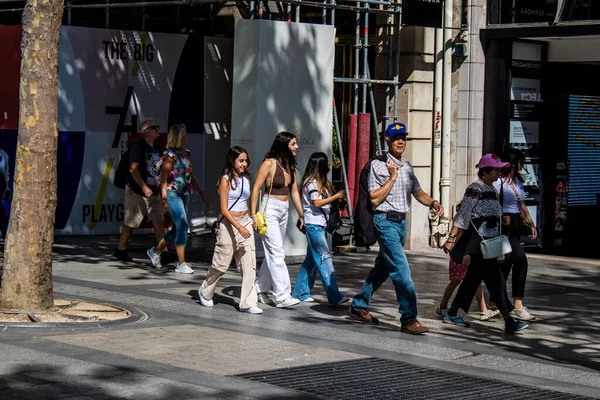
(27, 272)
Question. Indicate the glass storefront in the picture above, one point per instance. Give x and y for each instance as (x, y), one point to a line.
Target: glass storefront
(535, 11)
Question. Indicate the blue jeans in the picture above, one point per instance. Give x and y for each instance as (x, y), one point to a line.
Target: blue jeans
(178, 205)
(391, 261)
(319, 256)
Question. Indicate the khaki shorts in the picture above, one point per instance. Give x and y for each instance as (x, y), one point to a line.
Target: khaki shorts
(137, 207)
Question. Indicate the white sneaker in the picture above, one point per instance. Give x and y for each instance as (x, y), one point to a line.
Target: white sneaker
(183, 268)
(264, 298)
(155, 258)
(522, 314)
(489, 314)
(204, 301)
(252, 310)
(308, 300)
(288, 302)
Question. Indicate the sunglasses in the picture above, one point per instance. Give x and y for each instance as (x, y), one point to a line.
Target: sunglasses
(152, 127)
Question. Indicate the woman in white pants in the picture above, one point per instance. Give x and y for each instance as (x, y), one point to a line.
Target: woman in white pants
(278, 174)
(235, 238)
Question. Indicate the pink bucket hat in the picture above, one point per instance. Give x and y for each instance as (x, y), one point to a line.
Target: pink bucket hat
(491, 160)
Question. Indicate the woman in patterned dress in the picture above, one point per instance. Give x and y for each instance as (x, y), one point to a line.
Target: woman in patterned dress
(177, 184)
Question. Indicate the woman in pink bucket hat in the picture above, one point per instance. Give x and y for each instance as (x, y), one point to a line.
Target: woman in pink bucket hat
(479, 217)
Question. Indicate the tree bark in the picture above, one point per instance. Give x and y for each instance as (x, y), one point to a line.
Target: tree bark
(27, 272)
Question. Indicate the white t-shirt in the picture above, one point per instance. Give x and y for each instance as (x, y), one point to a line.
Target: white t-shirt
(510, 204)
(234, 193)
(314, 215)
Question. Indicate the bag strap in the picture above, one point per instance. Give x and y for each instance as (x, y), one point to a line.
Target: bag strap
(320, 209)
(273, 170)
(512, 185)
(235, 202)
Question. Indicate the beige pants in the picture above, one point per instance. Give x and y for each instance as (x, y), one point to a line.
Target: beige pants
(230, 244)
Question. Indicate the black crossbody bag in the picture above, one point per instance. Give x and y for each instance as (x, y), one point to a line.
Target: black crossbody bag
(214, 228)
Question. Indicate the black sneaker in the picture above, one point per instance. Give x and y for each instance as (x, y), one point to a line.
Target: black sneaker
(122, 255)
(166, 257)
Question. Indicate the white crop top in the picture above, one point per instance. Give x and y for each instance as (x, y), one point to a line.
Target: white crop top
(234, 193)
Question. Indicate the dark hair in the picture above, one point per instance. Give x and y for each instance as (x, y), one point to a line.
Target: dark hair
(317, 169)
(228, 168)
(281, 152)
(484, 171)
(514, 157)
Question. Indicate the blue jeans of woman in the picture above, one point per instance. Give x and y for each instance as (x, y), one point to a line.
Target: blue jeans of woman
(391, 261)
(178, 205)
(318, 260)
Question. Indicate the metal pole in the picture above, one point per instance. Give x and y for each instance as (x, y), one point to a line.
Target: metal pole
(297, 12)
(251, 7)
(366, 80)
(289, 12)
(446, 106)
(397, 16)
(436, 166)
(69, 12)
(343, 161)
(106, 15)
(324, 12)
(388, 89)
(260, 9)
(374, 117)
(365, 56)
(356, 57)
(333, 12)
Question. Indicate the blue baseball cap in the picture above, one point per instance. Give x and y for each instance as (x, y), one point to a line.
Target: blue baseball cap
(395, 129)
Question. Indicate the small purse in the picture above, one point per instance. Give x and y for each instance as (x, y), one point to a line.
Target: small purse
(261, 224)
(496, 247)
(214, 228)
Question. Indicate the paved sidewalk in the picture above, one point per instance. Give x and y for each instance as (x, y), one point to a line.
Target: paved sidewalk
(186, 351)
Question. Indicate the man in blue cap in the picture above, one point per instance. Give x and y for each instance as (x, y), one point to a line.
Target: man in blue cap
(391, 184)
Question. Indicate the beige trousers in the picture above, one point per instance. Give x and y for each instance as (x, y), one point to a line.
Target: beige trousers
(231, 244)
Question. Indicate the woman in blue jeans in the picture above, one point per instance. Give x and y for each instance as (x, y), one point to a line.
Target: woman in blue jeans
(177, 185)
(316, 204)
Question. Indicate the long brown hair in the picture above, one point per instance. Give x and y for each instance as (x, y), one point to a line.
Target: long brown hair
(232, 155)
(317, 169)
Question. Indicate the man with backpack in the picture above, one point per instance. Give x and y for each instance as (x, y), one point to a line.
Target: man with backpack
(391, 182)
(142, 192)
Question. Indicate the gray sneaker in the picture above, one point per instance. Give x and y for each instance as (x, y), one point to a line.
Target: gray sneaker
(155, 258)
(522, 314)
(264, 298)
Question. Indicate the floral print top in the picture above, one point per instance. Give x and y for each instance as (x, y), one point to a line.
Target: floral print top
(180, 177)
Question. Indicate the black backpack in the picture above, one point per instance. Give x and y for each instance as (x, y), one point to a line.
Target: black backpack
(364, 229)
(122, 173)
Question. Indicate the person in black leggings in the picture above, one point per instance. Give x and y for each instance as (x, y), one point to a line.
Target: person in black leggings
(516, 217)
(479, 217)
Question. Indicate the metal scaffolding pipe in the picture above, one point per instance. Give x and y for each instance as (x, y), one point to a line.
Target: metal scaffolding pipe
(296, 3)
(374, 117)
(398, 17)
(366, 80)
(342, 160)
(356, 56)
(388, 89)
(365, 57)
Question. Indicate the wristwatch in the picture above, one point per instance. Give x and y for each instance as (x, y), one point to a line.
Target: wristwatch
(432, 203)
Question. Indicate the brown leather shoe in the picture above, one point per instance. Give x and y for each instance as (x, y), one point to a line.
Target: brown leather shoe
(414, 327)
(362, 315)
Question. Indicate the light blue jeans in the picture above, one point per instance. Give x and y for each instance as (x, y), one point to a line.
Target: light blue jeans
(319, 256)
(178, 205)
(391, 261)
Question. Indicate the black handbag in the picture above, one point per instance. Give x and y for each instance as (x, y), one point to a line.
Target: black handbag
(214, 228)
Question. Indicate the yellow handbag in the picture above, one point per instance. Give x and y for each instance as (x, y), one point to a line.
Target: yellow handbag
(261, 224)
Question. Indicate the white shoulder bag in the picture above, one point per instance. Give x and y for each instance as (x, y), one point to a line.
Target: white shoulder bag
(496, 247)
